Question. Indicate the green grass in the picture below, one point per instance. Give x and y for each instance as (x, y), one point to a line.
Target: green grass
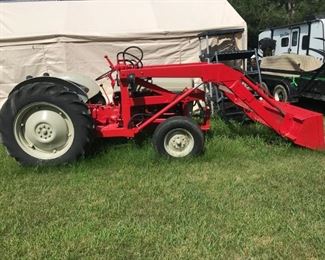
(251, 195)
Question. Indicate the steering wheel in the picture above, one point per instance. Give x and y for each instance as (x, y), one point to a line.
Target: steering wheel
(129, 58)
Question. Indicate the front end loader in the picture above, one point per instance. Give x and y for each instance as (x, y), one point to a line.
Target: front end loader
(48, 121)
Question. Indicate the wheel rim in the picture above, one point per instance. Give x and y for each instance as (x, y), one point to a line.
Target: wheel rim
(43, 130)
(179, 142)
(280, 94)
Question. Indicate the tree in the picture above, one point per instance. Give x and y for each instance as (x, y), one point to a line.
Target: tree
(261, 14)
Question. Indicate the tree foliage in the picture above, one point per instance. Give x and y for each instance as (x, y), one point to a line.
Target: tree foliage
(261, 14)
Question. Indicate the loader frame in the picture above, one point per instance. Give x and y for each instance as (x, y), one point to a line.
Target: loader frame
(301, 126)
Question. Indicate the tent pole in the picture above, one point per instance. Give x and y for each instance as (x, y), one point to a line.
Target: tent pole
(210, 84)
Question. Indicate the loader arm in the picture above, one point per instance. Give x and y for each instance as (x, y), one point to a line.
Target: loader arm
(301, 126)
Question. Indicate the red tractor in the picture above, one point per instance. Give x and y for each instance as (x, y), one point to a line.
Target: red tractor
(51, 120)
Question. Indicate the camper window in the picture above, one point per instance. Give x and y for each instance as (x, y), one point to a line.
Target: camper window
(305, 42)
(294, 41)
(285, 42)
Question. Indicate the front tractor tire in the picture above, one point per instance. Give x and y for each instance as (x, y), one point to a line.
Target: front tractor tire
(178, 137)
(45, 123)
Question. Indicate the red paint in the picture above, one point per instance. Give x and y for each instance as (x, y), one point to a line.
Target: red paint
(131, 114)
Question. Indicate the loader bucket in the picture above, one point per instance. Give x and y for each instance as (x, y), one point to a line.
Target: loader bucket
(303, 127)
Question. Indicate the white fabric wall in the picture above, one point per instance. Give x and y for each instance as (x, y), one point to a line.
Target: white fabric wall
(73, 36)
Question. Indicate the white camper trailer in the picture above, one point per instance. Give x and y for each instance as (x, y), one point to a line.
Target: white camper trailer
(296, 68)
(307, 38)
(39, 37)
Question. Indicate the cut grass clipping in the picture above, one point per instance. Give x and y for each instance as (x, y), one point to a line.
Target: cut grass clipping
(250, 195)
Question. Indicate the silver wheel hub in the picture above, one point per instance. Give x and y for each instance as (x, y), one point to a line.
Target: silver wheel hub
(44, 130)
(179, 142)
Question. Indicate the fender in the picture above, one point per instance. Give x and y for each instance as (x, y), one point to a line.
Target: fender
(83, 86)
(87, 84)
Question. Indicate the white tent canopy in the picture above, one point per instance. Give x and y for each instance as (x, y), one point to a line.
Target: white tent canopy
(73, 36)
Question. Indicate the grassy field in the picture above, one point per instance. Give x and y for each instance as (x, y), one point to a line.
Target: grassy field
(251, 195)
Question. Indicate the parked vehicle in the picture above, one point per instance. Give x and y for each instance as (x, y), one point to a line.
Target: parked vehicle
(296, 67)
(306, 38)
(289, 77)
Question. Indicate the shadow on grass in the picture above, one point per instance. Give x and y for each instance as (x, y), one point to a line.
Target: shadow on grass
(245, 129)
(229, 129)
(100, 145)
(242, 127)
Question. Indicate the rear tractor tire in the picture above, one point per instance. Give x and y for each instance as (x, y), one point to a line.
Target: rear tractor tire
(45, 123)
(178, 137)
